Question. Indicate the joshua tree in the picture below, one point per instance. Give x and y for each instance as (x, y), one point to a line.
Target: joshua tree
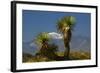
(47, 49)
(42, 40)
(65, 26)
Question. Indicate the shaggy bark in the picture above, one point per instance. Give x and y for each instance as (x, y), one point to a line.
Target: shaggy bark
(67, 39)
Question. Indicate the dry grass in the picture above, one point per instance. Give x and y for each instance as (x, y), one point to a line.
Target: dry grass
(74, 55)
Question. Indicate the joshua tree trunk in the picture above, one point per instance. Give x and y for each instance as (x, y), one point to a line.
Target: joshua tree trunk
(44, 48)
(67, 51)
(67, 38)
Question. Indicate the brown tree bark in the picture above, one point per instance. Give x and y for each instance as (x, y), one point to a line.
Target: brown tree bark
(67, 39)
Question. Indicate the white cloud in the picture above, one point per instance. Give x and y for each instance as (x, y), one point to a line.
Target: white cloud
(55, 35)
(33, 44)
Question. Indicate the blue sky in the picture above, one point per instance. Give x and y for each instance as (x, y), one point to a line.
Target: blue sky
(35, 22)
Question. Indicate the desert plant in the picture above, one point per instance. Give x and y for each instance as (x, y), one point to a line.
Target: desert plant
(65, 26)
(42, 40)
(46, 49)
